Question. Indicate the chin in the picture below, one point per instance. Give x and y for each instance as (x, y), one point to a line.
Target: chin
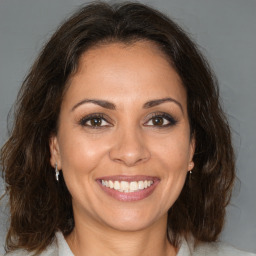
(131, 221)
(129, 226)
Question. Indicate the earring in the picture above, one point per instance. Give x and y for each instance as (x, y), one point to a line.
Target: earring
(190, 177)
(57, 173)
(191, 165)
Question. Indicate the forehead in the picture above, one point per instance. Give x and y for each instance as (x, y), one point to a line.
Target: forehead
(142, 46)
(120, 71)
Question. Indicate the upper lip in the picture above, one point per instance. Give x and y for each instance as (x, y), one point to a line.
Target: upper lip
(128, 178)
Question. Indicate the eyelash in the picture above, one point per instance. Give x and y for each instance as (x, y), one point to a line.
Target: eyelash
(90, 117)
(171, 121)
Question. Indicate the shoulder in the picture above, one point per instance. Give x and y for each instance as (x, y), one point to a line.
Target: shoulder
(210, 249)
(47, 252)
(51, 250)
(58, 247)
(219, 249)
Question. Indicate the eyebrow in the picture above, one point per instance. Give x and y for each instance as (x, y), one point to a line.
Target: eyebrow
(102, 103)
(157, 102)
(109, 105)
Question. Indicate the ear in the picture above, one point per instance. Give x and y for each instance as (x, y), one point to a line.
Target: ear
(55, 152)
(192, 152)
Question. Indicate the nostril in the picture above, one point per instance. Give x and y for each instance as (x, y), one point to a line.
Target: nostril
(129, 147)
(128, 158)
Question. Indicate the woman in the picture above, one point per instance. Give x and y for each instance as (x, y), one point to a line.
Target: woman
(119, 145)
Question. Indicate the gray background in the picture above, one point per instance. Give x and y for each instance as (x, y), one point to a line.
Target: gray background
(226, 32)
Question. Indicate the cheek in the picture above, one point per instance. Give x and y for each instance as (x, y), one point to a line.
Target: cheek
(173, 152)
(172, 157)
(80, 155)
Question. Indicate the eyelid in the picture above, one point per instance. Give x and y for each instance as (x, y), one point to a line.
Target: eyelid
(89, 117)
(172, 121)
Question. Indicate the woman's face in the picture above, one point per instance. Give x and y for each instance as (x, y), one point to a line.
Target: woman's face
(123, 142)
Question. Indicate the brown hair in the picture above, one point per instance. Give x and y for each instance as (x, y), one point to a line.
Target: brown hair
(39, 207)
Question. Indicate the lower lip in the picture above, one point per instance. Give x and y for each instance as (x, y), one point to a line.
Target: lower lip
(131, 196)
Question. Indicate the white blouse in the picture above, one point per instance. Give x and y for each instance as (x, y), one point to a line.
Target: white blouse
(60, 248)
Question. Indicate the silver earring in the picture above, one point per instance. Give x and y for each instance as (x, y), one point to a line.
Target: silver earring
(191, 165)
(57, 173)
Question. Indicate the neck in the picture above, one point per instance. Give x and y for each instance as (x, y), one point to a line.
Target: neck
(94, 240)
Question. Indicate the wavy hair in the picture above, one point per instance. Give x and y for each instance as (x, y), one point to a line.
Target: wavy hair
(38, 206)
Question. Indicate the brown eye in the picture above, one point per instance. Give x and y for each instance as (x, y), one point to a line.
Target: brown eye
(157, 121)
(161, 120)
(96, 122)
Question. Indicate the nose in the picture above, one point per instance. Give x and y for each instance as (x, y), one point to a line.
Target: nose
(129, 148)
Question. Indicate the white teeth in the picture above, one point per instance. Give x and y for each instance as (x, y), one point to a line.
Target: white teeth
(141, 184)
(117, 185)
(110, 183)
(133, 186)
(127, 187)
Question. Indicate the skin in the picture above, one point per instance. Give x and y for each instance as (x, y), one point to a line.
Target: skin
(128, 142)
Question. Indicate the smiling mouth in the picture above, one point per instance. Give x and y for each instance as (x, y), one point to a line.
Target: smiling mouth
(128, 188)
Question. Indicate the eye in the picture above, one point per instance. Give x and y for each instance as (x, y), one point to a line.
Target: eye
(94, 121)
(161, 120)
